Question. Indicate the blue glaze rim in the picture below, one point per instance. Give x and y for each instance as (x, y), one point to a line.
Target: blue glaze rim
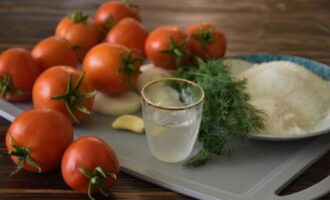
(318, 68)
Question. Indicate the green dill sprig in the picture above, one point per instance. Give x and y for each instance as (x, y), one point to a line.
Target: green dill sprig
(226, 112)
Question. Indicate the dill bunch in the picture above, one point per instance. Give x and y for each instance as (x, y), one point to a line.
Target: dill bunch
(226, 112)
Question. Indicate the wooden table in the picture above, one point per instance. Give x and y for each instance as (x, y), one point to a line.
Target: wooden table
(295, 27)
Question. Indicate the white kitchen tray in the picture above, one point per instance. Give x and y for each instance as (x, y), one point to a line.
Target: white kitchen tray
(255, 170)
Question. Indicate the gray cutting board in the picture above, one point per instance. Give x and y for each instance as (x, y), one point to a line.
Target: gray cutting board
(256, 170)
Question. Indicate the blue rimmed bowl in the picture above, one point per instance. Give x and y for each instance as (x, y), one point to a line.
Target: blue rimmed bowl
(317, 68)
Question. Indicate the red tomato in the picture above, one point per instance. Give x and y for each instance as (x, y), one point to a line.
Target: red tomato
(41, 135)
(111, 68)
(18, 71)
(208, 42)
(51, 91)
(80, 31)
(168, 47)
(54, 51)
(93, 155)
(130, 33)
(112, 12)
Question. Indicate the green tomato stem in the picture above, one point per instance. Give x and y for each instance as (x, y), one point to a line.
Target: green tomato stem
(79, 17)
(23, 155)
(176, 51)
(204, 36)
(72, 97)
(128, 66)
(7, 88)
(130, 4)
(109, 24)
(97, 179)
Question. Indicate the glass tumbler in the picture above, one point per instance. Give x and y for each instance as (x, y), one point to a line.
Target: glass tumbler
(172, 112)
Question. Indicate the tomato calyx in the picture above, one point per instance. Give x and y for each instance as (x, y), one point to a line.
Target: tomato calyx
(72, 97)
(79, 17)
(76, 47)
(110, 23)
(128, 67)
(204, 36)
(97, 179)
(130, 4)
(6, 87)
(23, 155)
(176, 51)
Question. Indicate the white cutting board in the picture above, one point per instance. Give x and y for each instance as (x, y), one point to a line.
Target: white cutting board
(255, 170)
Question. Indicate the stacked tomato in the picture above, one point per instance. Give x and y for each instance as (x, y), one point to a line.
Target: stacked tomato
(111, 48)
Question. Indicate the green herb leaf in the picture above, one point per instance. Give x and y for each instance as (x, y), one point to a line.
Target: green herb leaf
(226, 113)
(200, 158)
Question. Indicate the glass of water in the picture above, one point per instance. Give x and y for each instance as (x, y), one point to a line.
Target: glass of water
(172, 112)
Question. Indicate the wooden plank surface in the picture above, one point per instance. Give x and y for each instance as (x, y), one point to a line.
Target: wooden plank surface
(295, 27)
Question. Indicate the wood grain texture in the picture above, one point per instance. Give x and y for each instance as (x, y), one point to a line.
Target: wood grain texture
(295, 27)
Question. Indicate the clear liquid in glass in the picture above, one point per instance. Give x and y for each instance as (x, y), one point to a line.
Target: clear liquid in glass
(171, 135)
